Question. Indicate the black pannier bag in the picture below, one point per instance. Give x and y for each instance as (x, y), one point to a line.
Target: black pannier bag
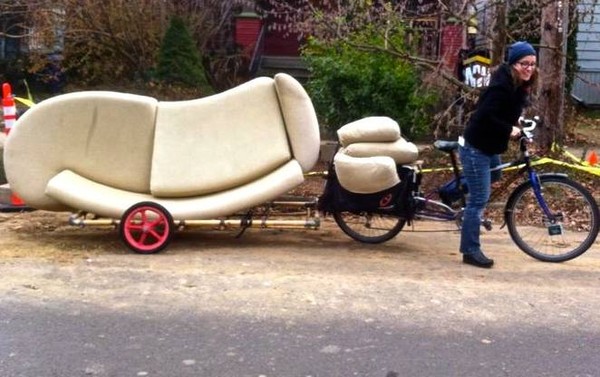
(410, 181)
(395, 200)
(451, 192)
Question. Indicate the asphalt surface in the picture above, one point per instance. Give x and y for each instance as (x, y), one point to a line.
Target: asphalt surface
(84, 340)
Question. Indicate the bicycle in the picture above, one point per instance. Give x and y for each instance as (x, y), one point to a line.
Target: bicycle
(549, 216)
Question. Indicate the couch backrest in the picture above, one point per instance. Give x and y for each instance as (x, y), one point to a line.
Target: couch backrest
(232, 138)
(218, 142)
(104, 136)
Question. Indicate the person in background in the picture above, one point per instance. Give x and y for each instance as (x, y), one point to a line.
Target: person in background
(486, 136)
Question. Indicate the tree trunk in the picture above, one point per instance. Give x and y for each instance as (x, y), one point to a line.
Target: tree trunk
(552, 63)
(499, 33)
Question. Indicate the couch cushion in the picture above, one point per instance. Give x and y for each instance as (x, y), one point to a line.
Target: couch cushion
(105, 136)
(80, 193)
(300, 120)
(369, 129)
(365, 175)
(219, 142)
(402, 151)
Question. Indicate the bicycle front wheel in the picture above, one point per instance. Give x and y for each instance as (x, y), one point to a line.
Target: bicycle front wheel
(369, 227)
(566, 234)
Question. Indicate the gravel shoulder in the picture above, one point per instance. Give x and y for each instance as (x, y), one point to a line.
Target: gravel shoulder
(415, 277)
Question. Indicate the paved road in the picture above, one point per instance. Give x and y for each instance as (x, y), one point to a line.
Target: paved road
(290, 303)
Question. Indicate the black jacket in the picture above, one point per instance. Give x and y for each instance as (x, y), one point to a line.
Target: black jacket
(498, 110)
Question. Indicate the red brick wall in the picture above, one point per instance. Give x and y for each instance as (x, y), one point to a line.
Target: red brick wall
(246, 32)
(278, 43)
(451, 44)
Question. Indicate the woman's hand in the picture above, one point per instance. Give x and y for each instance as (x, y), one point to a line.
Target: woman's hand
(515, 133)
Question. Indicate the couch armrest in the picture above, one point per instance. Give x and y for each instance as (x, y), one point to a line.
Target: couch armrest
(300, 120)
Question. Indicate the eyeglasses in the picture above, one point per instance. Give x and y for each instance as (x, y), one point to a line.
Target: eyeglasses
(526, 64)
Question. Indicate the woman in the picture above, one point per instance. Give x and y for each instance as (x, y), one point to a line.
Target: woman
(486, 137)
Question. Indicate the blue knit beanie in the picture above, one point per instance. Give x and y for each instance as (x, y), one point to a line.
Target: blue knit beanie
(519, 50)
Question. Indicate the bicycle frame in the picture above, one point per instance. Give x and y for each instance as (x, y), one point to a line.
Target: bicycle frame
(436, 210)
(524, 164)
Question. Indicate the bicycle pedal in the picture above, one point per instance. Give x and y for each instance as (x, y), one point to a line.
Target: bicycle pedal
(487, 224)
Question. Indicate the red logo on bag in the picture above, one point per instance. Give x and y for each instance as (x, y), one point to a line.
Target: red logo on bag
(385, 201)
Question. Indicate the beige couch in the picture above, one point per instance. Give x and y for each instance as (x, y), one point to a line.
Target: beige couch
(102, 152)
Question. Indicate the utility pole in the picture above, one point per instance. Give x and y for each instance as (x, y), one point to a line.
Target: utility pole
(552, 63)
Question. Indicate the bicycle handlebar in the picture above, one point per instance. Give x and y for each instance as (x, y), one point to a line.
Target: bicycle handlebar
(528, 125)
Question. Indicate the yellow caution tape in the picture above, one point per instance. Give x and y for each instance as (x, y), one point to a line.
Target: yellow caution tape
(595, 170)
(25, 101)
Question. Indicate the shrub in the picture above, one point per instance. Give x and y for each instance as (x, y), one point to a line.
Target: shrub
(347, 84)
(179, 59)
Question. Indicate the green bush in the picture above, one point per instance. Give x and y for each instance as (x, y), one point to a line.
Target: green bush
(179, 59)
(347, 84)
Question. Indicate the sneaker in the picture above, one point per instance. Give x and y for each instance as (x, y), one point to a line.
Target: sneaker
(478, 260)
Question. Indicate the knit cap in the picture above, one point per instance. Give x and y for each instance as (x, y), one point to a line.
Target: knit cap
(519, 50)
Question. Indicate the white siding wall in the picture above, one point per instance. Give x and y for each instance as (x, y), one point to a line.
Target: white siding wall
(586, 87)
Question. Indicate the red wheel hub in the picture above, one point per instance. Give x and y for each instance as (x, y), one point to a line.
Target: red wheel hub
(146, 229)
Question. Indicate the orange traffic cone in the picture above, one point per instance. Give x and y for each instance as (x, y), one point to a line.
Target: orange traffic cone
(9, 112)
(592, 158)
(15, 200)
(11, 202)
(9, 109)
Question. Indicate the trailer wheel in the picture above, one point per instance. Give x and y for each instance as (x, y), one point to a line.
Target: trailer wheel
(146, 228)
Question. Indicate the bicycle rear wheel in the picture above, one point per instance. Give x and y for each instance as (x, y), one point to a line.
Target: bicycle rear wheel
(572, 231)
(369, 227)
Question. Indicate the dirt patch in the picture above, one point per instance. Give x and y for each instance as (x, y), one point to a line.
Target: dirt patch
(47, 235)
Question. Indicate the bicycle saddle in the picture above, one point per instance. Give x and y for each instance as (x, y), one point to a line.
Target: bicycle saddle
(446, 146)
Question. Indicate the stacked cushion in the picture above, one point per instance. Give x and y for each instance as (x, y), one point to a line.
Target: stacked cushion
(371, 149)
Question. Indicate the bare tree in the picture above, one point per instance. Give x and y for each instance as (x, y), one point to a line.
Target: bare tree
(501, 22)
(552, 75)
(499, 32)
(114, 40)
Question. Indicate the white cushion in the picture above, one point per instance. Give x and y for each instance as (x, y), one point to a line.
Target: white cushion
(369, 129)
(402, 151)
(218, 142)
(300, 120)
(365, 175)
(81, 193)
(106, 136)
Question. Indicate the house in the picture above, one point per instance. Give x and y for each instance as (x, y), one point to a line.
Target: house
(272, 49)
(586, 86)
(13, 47)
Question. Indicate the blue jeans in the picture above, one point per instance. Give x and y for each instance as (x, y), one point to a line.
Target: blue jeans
(476, 168)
